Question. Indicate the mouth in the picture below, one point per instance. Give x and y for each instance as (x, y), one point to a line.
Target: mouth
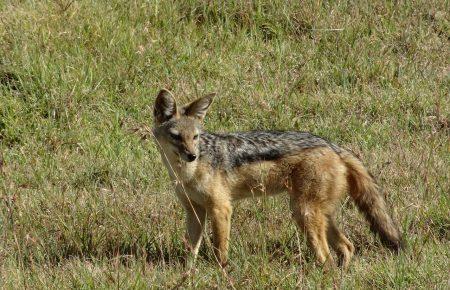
(178, 155)
(185, 157)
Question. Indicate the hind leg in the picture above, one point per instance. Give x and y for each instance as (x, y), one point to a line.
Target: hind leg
(339, 242)
(317, 183)
(313, 223)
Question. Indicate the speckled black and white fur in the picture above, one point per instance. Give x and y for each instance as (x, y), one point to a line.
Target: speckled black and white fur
(230, 150)
(212, 170)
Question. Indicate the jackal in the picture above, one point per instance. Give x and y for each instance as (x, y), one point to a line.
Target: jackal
(212, 170)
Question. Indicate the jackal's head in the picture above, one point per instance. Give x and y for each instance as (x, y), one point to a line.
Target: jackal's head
(178, 130)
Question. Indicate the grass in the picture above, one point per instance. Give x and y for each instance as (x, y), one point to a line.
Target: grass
(86, 203)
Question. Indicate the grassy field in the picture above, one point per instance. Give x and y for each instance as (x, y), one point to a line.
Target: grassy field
(85, 201)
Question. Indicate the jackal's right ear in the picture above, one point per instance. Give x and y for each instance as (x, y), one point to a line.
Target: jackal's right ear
(165, 107)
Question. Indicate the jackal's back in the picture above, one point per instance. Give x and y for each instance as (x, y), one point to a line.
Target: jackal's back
(235, 149)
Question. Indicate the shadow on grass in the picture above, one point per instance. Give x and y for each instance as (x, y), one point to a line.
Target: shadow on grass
(153, 254)
(10, 80)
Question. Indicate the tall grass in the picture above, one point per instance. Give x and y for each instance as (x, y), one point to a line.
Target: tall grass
(85, 200)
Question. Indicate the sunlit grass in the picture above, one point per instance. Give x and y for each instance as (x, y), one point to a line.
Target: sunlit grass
(86, 202)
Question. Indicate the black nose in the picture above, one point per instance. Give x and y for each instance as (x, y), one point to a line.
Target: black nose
(191, 157)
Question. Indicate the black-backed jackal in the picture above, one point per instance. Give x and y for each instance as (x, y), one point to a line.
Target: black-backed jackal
(212, 170)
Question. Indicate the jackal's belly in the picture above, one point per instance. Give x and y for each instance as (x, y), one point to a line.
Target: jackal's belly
(259, 179)
(273, 177)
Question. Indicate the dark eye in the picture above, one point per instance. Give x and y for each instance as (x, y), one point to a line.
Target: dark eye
(195, 137)
(175, 136)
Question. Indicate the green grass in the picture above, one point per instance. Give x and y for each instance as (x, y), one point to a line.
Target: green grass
(86, 203)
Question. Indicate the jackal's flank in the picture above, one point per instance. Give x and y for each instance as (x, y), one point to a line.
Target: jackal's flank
(212, 170)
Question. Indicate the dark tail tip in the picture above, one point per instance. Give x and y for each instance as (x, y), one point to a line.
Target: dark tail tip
(395, 244)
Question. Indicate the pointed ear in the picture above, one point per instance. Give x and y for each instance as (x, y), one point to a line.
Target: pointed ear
(165, 107)
(198, 108)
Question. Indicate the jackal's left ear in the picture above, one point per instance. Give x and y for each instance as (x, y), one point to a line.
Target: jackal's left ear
(198, 108)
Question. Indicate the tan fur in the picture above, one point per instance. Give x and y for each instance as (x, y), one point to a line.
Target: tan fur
(368, 198)
(315, 179)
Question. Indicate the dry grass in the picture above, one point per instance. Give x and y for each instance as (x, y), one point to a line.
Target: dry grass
(86, 203)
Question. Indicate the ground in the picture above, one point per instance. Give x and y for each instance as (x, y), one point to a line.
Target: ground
(85, 200)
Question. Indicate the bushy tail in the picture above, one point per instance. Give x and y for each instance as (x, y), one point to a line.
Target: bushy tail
(370, 202)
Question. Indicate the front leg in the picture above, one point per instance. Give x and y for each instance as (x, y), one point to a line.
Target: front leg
(220, 215)
(195, 223)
